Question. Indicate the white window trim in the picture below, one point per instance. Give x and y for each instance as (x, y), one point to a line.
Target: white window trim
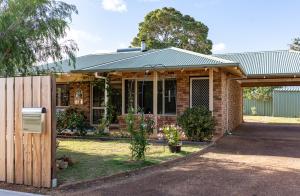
(135, 94)
(95, 108)
(191, 92)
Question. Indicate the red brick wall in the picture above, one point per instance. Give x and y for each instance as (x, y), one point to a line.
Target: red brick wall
(85, 87)
(183, 97)
(235, 105)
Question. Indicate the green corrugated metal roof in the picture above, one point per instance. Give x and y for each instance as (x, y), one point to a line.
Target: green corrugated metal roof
(94, 59)
(288, 89)
(164, 58)
(281, 62)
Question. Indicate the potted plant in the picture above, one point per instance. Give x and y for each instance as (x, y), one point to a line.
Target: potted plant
(172, 134)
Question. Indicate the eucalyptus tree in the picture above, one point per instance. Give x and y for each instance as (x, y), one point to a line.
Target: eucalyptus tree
(31, 32)
(167, 27)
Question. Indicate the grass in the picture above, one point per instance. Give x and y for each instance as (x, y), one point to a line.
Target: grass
(102, 158)
(272, 120)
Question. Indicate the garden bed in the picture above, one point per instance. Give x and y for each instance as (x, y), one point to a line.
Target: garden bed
(95, 158)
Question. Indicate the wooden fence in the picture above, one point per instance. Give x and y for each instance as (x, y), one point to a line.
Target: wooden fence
(27, 158)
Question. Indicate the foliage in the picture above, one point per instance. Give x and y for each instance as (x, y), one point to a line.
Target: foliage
(253, 111)
(296, 44)
(167, 27)
(72, 118)
(31, 32)
(101, 127)
(138, 142)
(149, 123)
(197, 123)
(172, 134)
(258, 93)
(110, 108)
(60, 121)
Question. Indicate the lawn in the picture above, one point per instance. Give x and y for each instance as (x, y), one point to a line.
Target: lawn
(102, 158)
(272, 120)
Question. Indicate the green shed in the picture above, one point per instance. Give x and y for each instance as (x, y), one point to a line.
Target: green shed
(286, 101)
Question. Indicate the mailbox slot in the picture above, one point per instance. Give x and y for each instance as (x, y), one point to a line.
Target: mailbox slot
(33, 120)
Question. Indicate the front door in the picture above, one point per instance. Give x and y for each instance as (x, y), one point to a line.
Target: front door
(199, 92)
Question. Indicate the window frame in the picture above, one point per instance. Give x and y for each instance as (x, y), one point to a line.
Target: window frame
(95, 108)
(60, 106)
(136, 94)
(164, 100)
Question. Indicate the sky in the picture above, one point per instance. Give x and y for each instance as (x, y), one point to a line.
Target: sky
(234, 25)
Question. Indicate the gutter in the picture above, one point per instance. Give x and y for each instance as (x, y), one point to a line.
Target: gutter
(163, 67)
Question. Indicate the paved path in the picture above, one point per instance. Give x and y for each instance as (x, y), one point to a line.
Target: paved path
(258, 159)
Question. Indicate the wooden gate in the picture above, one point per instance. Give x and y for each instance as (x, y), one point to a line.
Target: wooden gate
(27, 158)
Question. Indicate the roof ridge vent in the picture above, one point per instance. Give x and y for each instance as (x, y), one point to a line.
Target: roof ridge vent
(128, 49)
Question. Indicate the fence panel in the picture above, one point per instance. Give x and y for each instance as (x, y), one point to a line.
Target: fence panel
(262, 108)
(2, 129)
(27, 158)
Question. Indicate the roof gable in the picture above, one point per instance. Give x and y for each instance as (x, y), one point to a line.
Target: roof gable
(163, 58)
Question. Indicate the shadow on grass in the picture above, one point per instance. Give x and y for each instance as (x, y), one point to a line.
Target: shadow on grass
(93, 163)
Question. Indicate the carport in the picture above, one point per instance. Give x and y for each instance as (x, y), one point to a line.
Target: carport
(264, 69)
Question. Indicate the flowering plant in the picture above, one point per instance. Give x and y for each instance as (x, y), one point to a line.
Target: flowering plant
(172, 134)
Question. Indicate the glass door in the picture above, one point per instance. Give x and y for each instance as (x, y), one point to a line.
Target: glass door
(98, 104)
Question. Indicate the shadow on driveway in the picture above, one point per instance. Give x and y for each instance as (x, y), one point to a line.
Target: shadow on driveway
(258, 159)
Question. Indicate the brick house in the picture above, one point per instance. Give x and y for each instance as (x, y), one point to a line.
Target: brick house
(163, 82)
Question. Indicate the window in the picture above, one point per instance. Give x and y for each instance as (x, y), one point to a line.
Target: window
(62, 95)
(145, 96)
(129, 94)
(166, 96)
(98, 104)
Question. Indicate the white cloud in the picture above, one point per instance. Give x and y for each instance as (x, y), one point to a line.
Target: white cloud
(218, 47)
(79, 35)
(114, 5)
(86, 42)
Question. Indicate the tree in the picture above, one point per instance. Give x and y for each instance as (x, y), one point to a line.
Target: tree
(296, 44)
(31, 32)
(167, 27)
(258, 93)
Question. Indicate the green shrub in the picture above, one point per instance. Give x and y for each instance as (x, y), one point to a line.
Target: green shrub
(60, 122)
(172, 134)
(197, 123)
(150, 124)
(138, 142)
(72, 118)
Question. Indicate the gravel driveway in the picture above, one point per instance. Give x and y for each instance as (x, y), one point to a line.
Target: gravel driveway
(258, 159)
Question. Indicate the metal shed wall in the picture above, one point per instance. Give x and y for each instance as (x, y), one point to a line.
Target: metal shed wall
(286, 103)
(263, 108)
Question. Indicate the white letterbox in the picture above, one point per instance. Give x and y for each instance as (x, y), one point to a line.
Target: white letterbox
(33, 119)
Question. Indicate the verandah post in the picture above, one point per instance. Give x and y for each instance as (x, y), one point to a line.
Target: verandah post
(155, 79)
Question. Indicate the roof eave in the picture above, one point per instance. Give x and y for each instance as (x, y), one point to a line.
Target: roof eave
(164, 68)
